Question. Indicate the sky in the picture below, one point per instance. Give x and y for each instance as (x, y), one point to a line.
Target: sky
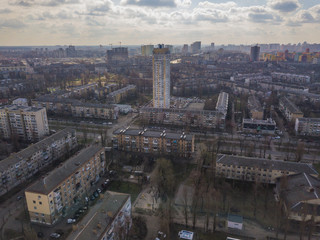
(135, 22)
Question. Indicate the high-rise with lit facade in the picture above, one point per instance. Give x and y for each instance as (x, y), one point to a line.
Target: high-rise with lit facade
(161, 77)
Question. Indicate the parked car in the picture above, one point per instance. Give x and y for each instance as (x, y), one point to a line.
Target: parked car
(99, 190)
(71, 220)
(19, 198)
(54, 235)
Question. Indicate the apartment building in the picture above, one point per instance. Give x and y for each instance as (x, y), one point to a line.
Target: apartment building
(83, 89)
(26, 123)
(120, 94)
(21, 166)
(259, 126)
(222, 103)
(290, 78)
(258, 169)
(307, 126)
(109, 219)
(52, 196)
(289, 109)
(255, 108)
(183, 117)
(77, 108)
(150, 141)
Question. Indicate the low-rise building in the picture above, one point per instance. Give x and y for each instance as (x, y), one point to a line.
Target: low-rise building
(290, 78)
(255, 108)
(289, 109)
(21, 166)
(120, 94)
(300, 194)
(51, 197)
(23, 122)
(157, 142)
(258, 169)
(259, 126)
(108, 219)
(20, 102)
(307, 126)
(222, 103)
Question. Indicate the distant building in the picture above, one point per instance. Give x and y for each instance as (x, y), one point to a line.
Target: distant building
(23, 165)
(255, 53)
(110, 219)
(25, 123)
(146, 50)
(259, 126)
(196, 47)
(161, 77)
(120, 94)
(212, 46)
(117, 54)
(71, 51)
(185, 49)
(20, 102)
(255, 108)
(156, 142)
(290, 78)
(307, 126)
(259, 169)
(51, 197)
(289, 109)
(222, 103)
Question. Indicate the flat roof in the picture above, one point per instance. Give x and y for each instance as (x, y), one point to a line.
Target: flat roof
(152, 133)
(23, 108)
(290, 105)
(97, 221)
(266, 164)
(49, 182)
(235, 218)
(29, 151)
(258, 121)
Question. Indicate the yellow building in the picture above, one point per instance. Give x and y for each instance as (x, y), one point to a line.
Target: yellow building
(52, 196)
(156, 142)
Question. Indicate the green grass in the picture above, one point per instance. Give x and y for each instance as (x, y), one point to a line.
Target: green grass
(126, 187)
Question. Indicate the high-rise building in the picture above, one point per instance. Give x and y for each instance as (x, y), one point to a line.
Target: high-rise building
(196, 47)
(185, 49)
(212, 46)
(25, 123)
(146, 50)
(117, 54)
(161, 77)
(254, 53)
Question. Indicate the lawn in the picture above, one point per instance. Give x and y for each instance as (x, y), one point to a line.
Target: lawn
(125, 187)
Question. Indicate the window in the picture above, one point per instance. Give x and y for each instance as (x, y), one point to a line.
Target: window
(35, 208)
(34, 202)
(39, 197)
(40, 203)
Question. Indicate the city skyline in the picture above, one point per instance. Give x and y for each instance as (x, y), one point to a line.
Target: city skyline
(84, 22)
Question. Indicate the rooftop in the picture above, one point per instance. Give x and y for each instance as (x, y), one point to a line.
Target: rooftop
(25, 154)
(266, 164)
(152, 133)
(58, 175)
(311, 120)
(235, 218)
(21, 108)
(97, 221)
(290, 105)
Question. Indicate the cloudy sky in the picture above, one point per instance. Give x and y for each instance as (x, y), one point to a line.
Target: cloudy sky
(94, 22)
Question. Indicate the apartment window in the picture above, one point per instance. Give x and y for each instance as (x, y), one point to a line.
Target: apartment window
(40, 203)
(42, 215)
(34, 202)
(35, 208)
(39, 197)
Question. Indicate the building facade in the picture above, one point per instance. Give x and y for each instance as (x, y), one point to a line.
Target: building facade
(51, 197)
(161, 77)
(157, 142)
(254, 53)
(146, 50)
(259, 126)
(120, 94)
(258, 169)
(25, 123)
(255, 108)
(289, 109)
(109, 220)
(21, 166)
(307, 126)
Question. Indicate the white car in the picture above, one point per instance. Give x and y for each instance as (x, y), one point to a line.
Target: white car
(54, 235)
(71, 220)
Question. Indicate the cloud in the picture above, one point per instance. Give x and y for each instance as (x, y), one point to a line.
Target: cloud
(12, 23)
(284, 5)
(5, 10)
(23, 3)
(151, 3)
(311, 15)
(47, 3)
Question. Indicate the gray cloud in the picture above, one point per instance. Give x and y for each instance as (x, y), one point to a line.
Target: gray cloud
(151, 3)
(5, 10)
(12, 23)
(284, 5)
(23, 3)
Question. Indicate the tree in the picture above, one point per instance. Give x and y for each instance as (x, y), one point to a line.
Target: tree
(165, 178)
(185, 205)
(299, 152)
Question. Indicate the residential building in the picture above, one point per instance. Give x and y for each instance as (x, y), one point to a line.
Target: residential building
(222, 103)
(161, 77)
(289, 109)
(83, 89)
(146, 50)
(109, 219)
(259, 126)
(300, 194)
(51, 197)
(255, 108)
(117, 54)
(193, 118)
(120, 94)
(20, 102)
(196, 47)
(307, 126)
(21, 166)
(254, 53)
(25, 123)
(258, 169)
(150, 141)
(290, 78)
